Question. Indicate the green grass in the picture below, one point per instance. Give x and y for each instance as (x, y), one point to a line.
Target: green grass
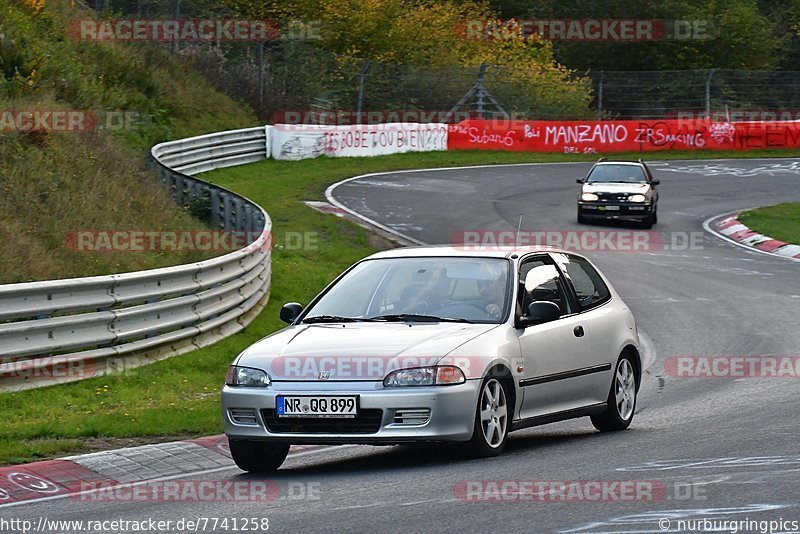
(179, 396)
(55, 183)
(781, 222)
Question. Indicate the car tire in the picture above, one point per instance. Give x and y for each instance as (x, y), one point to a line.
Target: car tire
(492, 420)
(650, 221)
(258, 456)
(621, 402)
(582, 219)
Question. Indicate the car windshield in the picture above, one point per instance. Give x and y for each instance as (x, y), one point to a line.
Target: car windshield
(617, 173)
(430, 289)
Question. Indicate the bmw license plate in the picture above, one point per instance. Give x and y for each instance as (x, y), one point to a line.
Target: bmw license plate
(317, 406)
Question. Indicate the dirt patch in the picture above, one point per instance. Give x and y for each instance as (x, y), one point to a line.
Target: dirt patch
(105, 444)
(379, 242)
(88, 445)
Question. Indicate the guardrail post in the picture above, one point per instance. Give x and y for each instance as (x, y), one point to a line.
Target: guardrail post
(249, 218)
(213, 198)
(240, 216)
(228, 216)
(177, 181)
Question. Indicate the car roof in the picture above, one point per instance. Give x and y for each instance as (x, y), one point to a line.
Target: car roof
(463, 251)
(637, 163)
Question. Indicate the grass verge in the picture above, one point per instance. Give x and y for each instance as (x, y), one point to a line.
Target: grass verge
(781, 222)
(54, 183)
(179, 397)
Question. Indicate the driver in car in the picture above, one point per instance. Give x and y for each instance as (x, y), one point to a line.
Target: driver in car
(493, 291)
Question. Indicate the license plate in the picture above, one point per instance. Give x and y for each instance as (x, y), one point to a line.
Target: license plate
(610, 208)
(317, 406)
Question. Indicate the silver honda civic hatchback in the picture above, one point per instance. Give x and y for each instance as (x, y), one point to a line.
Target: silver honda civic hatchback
(437, 344)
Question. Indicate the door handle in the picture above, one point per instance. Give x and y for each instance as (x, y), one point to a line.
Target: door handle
(578, 331)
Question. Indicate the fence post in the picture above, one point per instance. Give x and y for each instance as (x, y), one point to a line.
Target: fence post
(480, 88)
(362, 78)
(177, 18)
(600, 95)
(708, 92)
(260, 82)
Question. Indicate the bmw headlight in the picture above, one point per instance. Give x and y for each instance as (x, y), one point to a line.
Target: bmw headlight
(425, 376)
(589, 197)
(637, 198)
(247, 377)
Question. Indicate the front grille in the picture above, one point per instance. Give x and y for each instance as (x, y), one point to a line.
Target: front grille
(366, 422)
(612, 197)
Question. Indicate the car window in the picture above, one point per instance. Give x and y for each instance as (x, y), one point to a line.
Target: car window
(589, 286)
(473, 289)
(616, 173)
(541, 281)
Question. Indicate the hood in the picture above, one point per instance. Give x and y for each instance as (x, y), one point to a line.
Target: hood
(356, 351)
(606, 187)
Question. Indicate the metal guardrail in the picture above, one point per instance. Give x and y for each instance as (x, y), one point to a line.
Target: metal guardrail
(66, 330)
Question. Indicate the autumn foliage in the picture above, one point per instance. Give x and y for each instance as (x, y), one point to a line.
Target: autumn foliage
(432, 33)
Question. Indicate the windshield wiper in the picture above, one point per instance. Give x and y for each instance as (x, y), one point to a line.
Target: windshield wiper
(334, 319)
(397, 317)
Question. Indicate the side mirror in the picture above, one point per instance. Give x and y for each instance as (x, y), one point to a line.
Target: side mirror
(579, 180)
(655, 181)
(540, 311)
(291, 311)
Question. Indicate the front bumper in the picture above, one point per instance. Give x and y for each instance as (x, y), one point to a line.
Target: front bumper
(452, 412)
(624, 211)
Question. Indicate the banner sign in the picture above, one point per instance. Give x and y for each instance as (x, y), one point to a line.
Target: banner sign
(587, 137)
(292, 142)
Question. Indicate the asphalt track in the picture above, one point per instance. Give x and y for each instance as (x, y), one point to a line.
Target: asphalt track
(718, 448)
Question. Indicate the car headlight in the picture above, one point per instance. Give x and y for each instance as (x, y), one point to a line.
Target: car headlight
(425, 376)
(637, 198)
(247, 377)
(589, 197)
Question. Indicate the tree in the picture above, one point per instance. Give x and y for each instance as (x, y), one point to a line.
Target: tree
(742, 36)
(437, 34)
